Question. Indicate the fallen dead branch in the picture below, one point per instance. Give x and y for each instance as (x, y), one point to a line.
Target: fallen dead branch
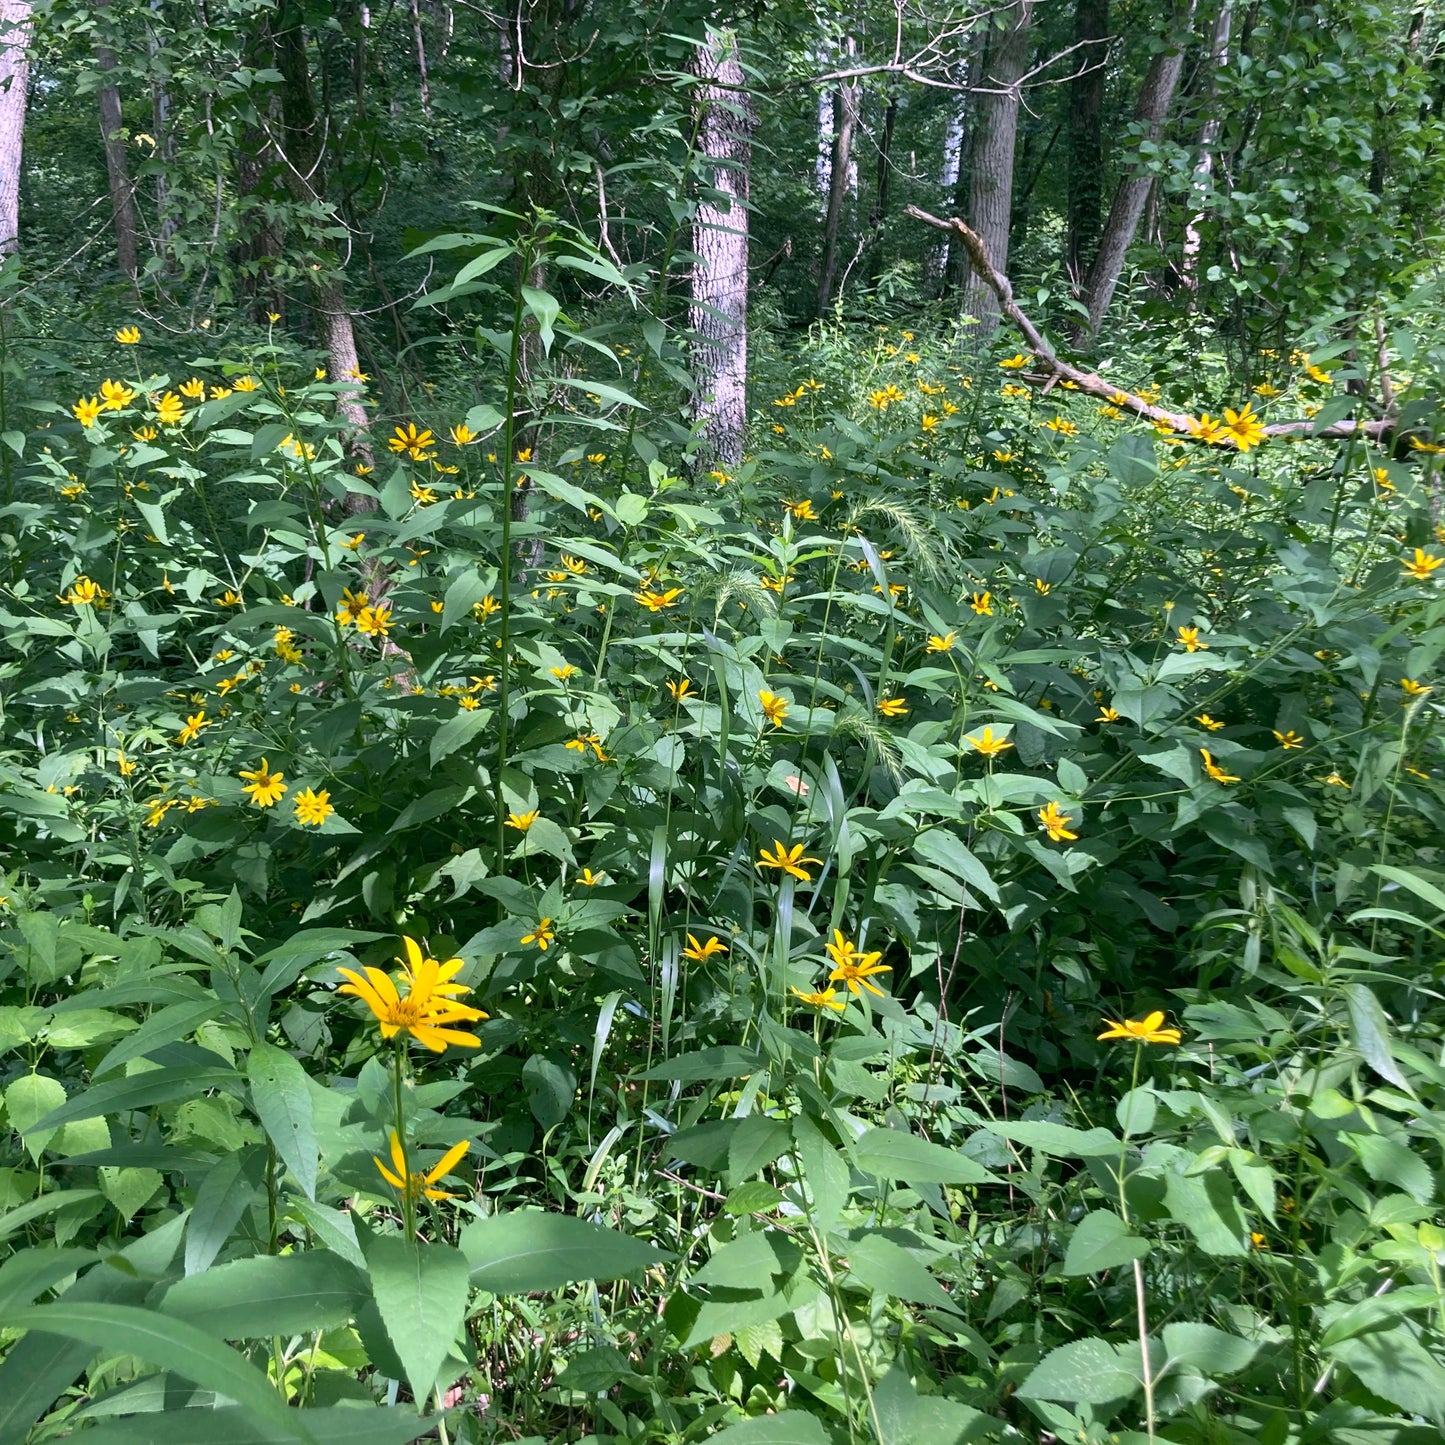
(1057, 370)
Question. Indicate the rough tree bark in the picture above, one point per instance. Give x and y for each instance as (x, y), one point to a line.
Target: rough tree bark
(1208, 136)
(302, 159)
(718, 313)
(1086, 135)
(14, 89)
(117, 170)
(991, 152)
(1155, 97)
(845, 121)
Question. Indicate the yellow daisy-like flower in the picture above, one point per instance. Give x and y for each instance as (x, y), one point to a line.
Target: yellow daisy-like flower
(145, 433)
(544, 935)
(1288, 740)
(824, 998)
(1062, 426)
(801, 511)
(264, 787)
(1107, 715)
(418, 1185)
(1142, 1031)
(1189, 640)
(564, 672)
(575, 565)
(87, 410)
(313, 808)
(1243, 428)
(128, 335)
(1213, 724)
(701, 952)
(1016, 362)
(789, 860)
(522, 821)
(524, 454)
(462, 434)
(982, 603)
(115, 394)
(170, 409)
(247, 383)
(229, 598)
(1422, 566)
(989, 745)
(1214, 770)
(429, 1008)
(192, 730)
(942, 644)
(220, 393)
(1411, 688)
(854, 968)
(588, 879)
(657, 601)
(85, 593)
(775, 708)
(352, 605)
(375, 621)
(411, 442)
(423, 495)
(680, 688)
(892, 707)
(195, 388)
(1055, 822)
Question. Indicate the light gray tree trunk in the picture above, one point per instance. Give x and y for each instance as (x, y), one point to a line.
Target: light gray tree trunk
(1156, 95)
(1208, 135)
(991, 153)
(718, 313)
(937, 264)
(840, 170)
(14, 89)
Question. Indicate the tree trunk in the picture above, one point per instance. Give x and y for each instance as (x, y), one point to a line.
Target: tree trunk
(937, 263)
(845, 121)
(14, 88)
(991, 154)
(1155, 97)
(1208, 135)
(718, 313)
(1086, 135)
(419, 42)
(302, 158)
(117, 170)
(878, 211)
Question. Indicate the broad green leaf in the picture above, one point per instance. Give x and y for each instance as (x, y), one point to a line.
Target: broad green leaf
(1060, 1140)
(887, 1268)
(550, 1087)
(1396, 1366)
(1205, 1205)
(1101, 1241)
(722, 1061)
(28, 1100)
(1084, 1372)
(1391, 1162)
(165, 1026)
(329, 1425)
(526, 1250)
(892, 1154)
(457, 731)
(421, 1293)
(37, 1208)
(281, 1294)
(907, 1418)
(1209, 1350)
(224, 1196)
(1370, 1031)
(281, 1095)
(33, 1271)
(791, 1427)
(155, 1086)
(178, 1348)
(825, 1171)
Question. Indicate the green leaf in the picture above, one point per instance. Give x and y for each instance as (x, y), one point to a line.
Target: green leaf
(943, 849)
(421, 1294)
(224, 1196)
(330, 1425)
(888, 1268)
(282, 1294)
(543, 306)
(723, 1061)
(1209, 1350)
(1371, 1034)
(285, 962)
(1396, 1366)
(31, 1098)
(1085, 1372)
(155, 1086)
(39, 1207)
(1205, 1205)
(1060, 1140)
(1102, 1241)
(907, 1418)
(791, 1427)
(457, 731)
(892, 1154)
(550, 1088)
(825, 1171)
(172, 1345)
(1391, 1162)
(281, 1095)
(33, 1271)
(165, 1026)
(527, 1250)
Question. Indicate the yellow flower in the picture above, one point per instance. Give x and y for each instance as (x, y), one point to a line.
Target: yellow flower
(411, 442)
(989, 745)
(597, 458)
(1144, 1031)
(789, 859)
(486, 606)
(353, 604)
(1214, 770)
(522, 821)
(1107, 715)
(375, 621)
(883, 398)
(195, 388)
(128, 335)
(264, 786)
(418, 1185)
(1288, 740)
(802, 511)
(1055, 822)
(85, 593)
(1243, 428)
(825, 998)
(355, 373)
(679, 689)
(229, 598)
(219, 393)
(701, 952)
(929, 422)
(471, 704)
(1335, 780)
(1411, 688)
(87, 410)
(982, 603)
(575, 565)
(1062, 426)
(524, 454)
(1319, 374)
(192, 729)
(422, 494)
(170, 409)
(312, 808)
(892, 707)
(1016, 362)
(115, 394)
(942, 644)
(543, 935)
(1423, 565)
(775, 708)
(1205, 721)
(564, 672)
(159, 807)
(657, 601)
(853, 967)
(247, 383)
(429, 1007)
(145, 433)
(124, 764)
(1189, 640)
(352, 543)
(1042, 587)
(1433, 449)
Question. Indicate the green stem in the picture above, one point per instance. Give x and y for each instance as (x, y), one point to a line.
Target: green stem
(408, 1199)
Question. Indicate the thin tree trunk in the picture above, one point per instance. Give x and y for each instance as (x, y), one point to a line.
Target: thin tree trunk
(117, 170)
(823, 165)
(14, 89)
(845, 120)
(1155, 97)
(718, 313)
(991, 154)
(878, 211)
(303, 162)
(419, 41)
(937, 264)
(1208, 135)
(1086, 135)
